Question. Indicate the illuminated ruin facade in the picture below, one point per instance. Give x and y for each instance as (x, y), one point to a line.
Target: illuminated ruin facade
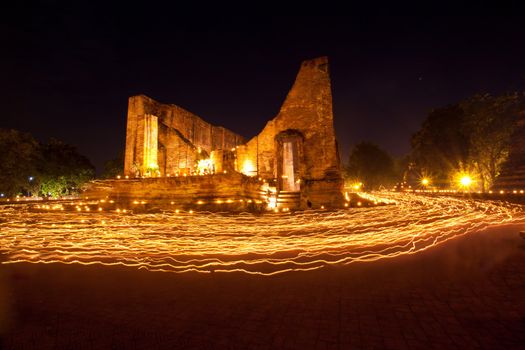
(294, 159)
(164, 140)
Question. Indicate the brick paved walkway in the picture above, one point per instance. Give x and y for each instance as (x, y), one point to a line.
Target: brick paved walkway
(466, 294)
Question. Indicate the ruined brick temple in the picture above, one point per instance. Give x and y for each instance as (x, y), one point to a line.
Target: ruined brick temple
(173, 154)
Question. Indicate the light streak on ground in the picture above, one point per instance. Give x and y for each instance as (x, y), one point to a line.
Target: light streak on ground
(256, 244)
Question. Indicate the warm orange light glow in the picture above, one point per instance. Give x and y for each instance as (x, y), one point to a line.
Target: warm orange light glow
(272, 202)
(204, 166)
(202, 242)
(425, 181)
(151, 127)
(465, 180)
(248, 168)
(357, 186)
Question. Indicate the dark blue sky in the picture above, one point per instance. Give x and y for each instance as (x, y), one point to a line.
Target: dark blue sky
(67, 70)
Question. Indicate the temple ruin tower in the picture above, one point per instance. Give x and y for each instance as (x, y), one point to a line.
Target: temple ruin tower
(298, 147)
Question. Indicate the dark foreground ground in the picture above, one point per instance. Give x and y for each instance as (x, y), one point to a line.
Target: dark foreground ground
(465, 294)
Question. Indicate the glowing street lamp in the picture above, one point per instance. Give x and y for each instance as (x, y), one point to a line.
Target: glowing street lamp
(357, 186)
(425, 181)
(465, 181)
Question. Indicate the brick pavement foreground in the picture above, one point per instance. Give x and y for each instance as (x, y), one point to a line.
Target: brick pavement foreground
(465, 294)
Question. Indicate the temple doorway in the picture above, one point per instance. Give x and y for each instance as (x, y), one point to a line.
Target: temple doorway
(289, 181)
(289, 156)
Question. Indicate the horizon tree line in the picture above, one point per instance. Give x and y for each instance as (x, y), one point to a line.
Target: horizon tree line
(473, 136)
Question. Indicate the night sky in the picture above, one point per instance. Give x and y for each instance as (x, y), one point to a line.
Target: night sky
(67, 70)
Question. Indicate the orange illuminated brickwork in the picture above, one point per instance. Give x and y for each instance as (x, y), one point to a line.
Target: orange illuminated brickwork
(295, 155)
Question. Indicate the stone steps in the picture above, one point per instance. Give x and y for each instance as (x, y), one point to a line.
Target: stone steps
(288, 199)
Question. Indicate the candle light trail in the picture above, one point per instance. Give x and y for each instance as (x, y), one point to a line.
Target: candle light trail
(177, 241)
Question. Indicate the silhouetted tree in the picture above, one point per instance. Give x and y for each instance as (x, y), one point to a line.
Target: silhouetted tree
(30, 167)
(489, 123)
(18, 157)
(62, 169)
(472, 136)
(441, 146)
(370, 165)
(113, 167)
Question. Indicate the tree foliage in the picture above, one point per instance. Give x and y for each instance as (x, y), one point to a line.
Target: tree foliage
(62, 169)
(30, 167)
(113, 167)
(489, 123)
(471, 136)
(18, 159)
(441, 145)
(371, 165)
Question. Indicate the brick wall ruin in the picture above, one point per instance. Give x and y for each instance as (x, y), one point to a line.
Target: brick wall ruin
(183, 137)
(295, 152)
(213, 192)
(306, 114)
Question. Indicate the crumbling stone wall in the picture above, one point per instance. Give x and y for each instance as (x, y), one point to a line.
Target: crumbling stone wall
(308, 110)
(181, 135)
(187, 190)
(306, 116)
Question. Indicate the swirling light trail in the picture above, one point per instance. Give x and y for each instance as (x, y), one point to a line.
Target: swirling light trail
(255, 244)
